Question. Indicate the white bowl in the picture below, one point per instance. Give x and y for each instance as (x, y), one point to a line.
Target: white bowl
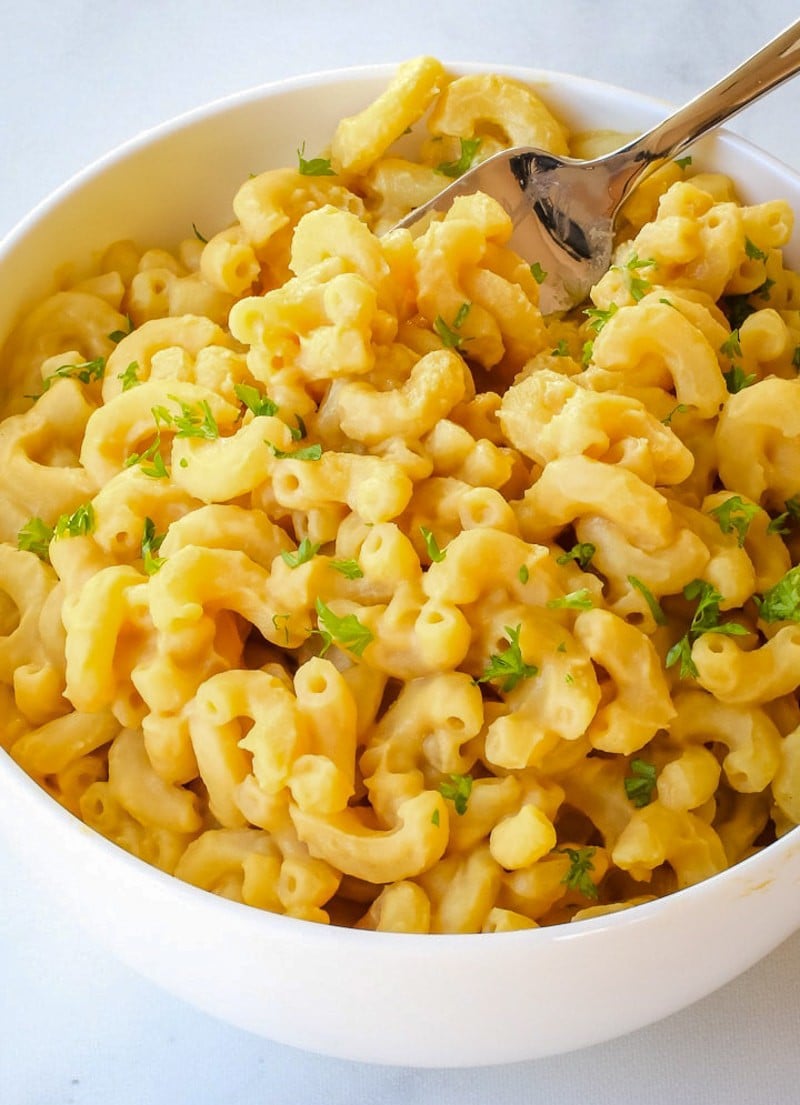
(413, 1000)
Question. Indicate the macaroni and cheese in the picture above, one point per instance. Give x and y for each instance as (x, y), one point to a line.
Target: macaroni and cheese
(338, 580)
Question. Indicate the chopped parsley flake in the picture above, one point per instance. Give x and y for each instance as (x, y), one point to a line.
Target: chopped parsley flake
(640, 783)
(314, 166)
(310, 452)
(753, 252)
(737, 380)
(151, 543)
(508, 667)
(254, 401)
(457, 790)
(469, 150)
(779, 524)
(734, 514)
(350, 569)
(35, 536)
(77, 524)
(657, 613)
(431, 544)
(304, 552)
(781, 603)
(130, 377)
(681, 408)
(579, 877)
(598, 317)
(581, 553)
(449, 333)
(575, 600)
(705, 620)
(117, 335)
(346, 631)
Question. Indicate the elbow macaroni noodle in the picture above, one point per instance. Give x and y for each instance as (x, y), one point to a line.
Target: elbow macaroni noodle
(338, 581)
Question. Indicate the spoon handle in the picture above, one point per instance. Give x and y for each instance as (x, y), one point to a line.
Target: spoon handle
(770, 66)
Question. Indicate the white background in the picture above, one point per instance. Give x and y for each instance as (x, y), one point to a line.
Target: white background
(78, 77)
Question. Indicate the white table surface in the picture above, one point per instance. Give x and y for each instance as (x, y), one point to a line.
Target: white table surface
(78, 77)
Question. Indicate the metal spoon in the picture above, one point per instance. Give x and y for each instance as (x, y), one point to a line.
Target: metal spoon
(564, 210)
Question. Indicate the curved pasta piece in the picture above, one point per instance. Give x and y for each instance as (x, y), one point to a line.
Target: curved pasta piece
(555, 704)
(641, 704)
(52, 747)
(656, 835)
(38, 457)
(654, 333)
(121, 506)
(126, 425)
(225, 526)
(572, 487)
(486, 560)
(272, 201)
(70, 320)
(438, 381)
(143, 793)
(192, 335)
(361, 139)
(480, 101)
(786, 781)
(748, 678)
(758, 440)
(226, 752)
(414, 735)
(279, 603)
(664, 571)
(547, 415)
(752, 739)
(25, 585)
(350, 843)
(94, 675)
(376, 489)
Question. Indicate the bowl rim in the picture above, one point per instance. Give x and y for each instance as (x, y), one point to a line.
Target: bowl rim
(307, 931)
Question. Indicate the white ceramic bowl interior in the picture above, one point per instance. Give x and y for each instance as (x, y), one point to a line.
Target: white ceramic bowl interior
(412, 1000)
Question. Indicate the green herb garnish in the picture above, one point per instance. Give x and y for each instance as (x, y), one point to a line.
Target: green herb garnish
(735, 514)
(575, 600)
(254, 401)
(753, 252)
(469, 150)
(77, 524)
(315, 166)
(581, 553)
(507, 666)
(304, 552)
(578, 877)
(350, 569)
(35, 536)
(449, 333)
(598, 317)
(432, 545)
(640, 784)
(659, 617)
(130, 377)
(781, 603)
(736, 380)
(705, 620)
(310, 452)
(117, 335)
(346, 631)
(457, 791)
(151, 543)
